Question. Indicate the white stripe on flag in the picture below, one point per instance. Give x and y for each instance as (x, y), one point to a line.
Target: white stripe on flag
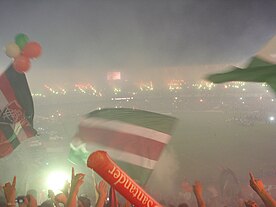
(126, 128)
(3, 101)
(19, 132)
(120, 155)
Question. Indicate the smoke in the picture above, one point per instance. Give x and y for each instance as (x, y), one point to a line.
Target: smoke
(164, 177)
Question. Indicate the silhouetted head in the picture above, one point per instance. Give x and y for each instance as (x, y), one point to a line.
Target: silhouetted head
(47, 203)
(183, 205)
(83, 202)
(33, 193)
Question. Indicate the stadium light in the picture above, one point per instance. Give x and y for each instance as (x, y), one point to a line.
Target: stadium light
(56, 181)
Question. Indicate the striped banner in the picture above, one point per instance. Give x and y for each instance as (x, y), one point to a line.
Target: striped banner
(135, 139)
(16, 111)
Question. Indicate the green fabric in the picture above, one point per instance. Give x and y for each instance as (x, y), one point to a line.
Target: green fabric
(78, 156)
(137, 117)
(257, 62)
(137, 173)
(258, 70)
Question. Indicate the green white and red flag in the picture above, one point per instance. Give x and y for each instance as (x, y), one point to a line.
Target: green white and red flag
(133, 138)
(16, 111)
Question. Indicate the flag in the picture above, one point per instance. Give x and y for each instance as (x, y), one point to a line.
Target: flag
(260, 68)
(112, 202)
(16, 111)
(134, 139)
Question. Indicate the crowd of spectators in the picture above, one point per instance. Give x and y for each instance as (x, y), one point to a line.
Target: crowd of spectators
(69, 196)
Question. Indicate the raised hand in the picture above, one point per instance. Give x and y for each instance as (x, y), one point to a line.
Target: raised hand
(197, 188)
(256, 184)
(102, 188)
(250, 203)
(76, 181)
(10, 192)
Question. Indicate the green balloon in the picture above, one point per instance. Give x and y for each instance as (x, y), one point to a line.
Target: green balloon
(21, 40)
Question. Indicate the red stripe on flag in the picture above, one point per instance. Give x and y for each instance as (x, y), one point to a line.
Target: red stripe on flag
(134, 144)
(6, 88)
(5, 146)
(9, 94)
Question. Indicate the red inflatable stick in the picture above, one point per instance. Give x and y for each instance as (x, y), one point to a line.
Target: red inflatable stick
(100, 162)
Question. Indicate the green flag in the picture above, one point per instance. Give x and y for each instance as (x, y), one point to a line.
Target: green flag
(261, 68)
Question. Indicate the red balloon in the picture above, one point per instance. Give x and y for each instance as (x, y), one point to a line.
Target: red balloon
(22, 64)
(32, 50)
(101, 163)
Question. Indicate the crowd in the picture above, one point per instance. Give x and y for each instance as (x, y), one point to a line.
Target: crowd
(69, 196)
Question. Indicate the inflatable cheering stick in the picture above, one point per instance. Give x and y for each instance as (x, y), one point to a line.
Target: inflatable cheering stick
(101, 163)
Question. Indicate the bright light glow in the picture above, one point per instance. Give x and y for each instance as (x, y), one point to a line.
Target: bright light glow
(56, 181)
(271, 118)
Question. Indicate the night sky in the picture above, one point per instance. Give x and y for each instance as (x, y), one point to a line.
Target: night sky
(87, 38)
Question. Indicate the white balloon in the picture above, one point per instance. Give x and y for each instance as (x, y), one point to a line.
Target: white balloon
(12, 50)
